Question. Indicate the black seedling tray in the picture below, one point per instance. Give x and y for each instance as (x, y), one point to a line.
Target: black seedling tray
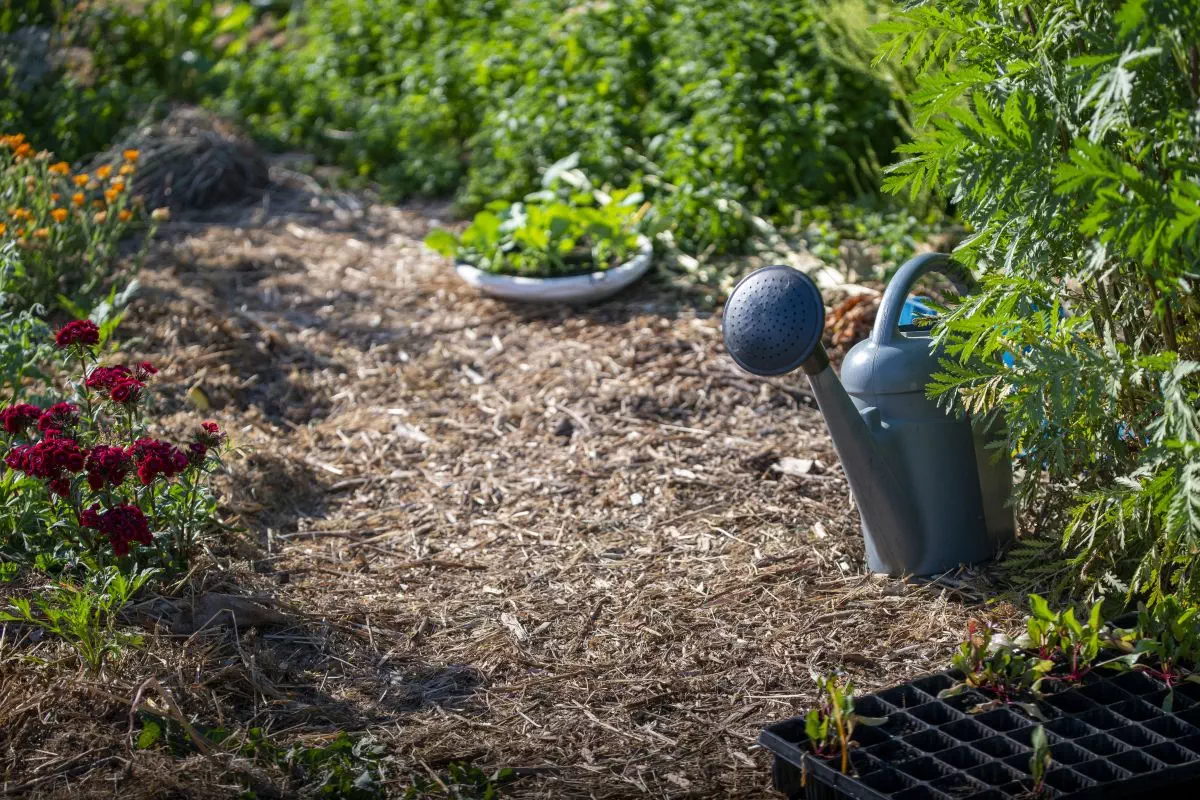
(1109, 738)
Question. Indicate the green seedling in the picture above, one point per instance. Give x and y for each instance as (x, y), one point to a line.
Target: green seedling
(1164, 643)
(1039, 762)
(1060, 637)
(830, 726)
(1010, 676)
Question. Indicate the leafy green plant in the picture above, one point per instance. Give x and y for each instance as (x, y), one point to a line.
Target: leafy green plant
(830, 726)
(460, 782)
(24, 345)
(570, 227)
(1165, 643)
(1009, 675)
(1064, 132)
(84, 615)
(1058, 636)
(1040, 760)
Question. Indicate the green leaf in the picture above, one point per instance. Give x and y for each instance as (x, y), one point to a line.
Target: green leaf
(151, 733)
(442, 242)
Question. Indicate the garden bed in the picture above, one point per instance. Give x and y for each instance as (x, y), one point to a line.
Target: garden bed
(543, 539)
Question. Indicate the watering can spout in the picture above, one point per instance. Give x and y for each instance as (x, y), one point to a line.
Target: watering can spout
(772, 325)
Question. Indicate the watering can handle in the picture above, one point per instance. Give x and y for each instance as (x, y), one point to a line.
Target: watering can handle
(888, 318)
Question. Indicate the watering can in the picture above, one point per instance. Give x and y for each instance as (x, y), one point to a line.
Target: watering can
(931, 493)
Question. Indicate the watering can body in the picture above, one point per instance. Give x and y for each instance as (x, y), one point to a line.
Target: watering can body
(933, 489)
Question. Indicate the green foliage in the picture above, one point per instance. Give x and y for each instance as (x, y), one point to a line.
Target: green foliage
(84, 616)
(345, 768)
(1065, 134)
(1165, 642)
(461, 782)
(830, 726)
(24, 346)
(568, 228)
(1062, 638)
(733, 109)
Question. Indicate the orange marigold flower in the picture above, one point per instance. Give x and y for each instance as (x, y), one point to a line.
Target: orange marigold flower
(59, 214)
(55, 197)
(103, 172)
(81, 179)
(127, 169)
(61, 168)
(41, 233)
(12, 140)
(131, 156)
(100, 217)
(23, 151)
(160, 214)
(124, 215)
(111, 194)
(77, 198)
(3, 228)
(118, 185)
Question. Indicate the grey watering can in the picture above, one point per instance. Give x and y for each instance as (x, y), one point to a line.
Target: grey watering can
(931, 493)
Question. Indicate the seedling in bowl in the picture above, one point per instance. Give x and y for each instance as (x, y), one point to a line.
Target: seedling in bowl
(992, 666)
(830, 726)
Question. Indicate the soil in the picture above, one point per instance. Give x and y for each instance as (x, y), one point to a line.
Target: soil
(545, 538)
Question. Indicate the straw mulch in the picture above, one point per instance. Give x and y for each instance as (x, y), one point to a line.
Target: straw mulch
(551, 539)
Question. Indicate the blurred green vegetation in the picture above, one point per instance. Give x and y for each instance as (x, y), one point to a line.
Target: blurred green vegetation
(723, 111)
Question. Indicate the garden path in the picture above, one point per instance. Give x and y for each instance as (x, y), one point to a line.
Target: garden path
(541, 538)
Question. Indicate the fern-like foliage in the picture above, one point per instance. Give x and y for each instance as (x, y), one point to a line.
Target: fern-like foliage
(1067, 133)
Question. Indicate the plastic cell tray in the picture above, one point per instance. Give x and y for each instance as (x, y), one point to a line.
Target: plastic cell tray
(1109, 738)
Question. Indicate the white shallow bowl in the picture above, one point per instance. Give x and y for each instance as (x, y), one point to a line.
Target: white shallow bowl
(574, 289)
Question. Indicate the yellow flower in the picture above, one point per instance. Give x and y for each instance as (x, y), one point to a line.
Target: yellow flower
(100, 217)
(104, 172)
(127, 169)
(41, 233)
(61, 168)
(77, 198)
(131, 156)
(81, 179)
(160, 214)
(59, 214)
(124, 215)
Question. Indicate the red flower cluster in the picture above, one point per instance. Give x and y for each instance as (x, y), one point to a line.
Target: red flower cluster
(122, 525)
(156, 458)
(19, 417)
(107, 465)
(52, 460)
(103, 378)
(80, 332)
(122, 384)
(58, 418)
(210, 435)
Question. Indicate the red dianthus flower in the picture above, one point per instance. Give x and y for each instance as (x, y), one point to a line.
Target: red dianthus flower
(17, 418)
(58, 418)
(80, 332)
(145, 370)
(50, 459)
(122, 525)
(210, 434)
(103, 378)
(156, 458)
(107, 465)
(126, 391)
